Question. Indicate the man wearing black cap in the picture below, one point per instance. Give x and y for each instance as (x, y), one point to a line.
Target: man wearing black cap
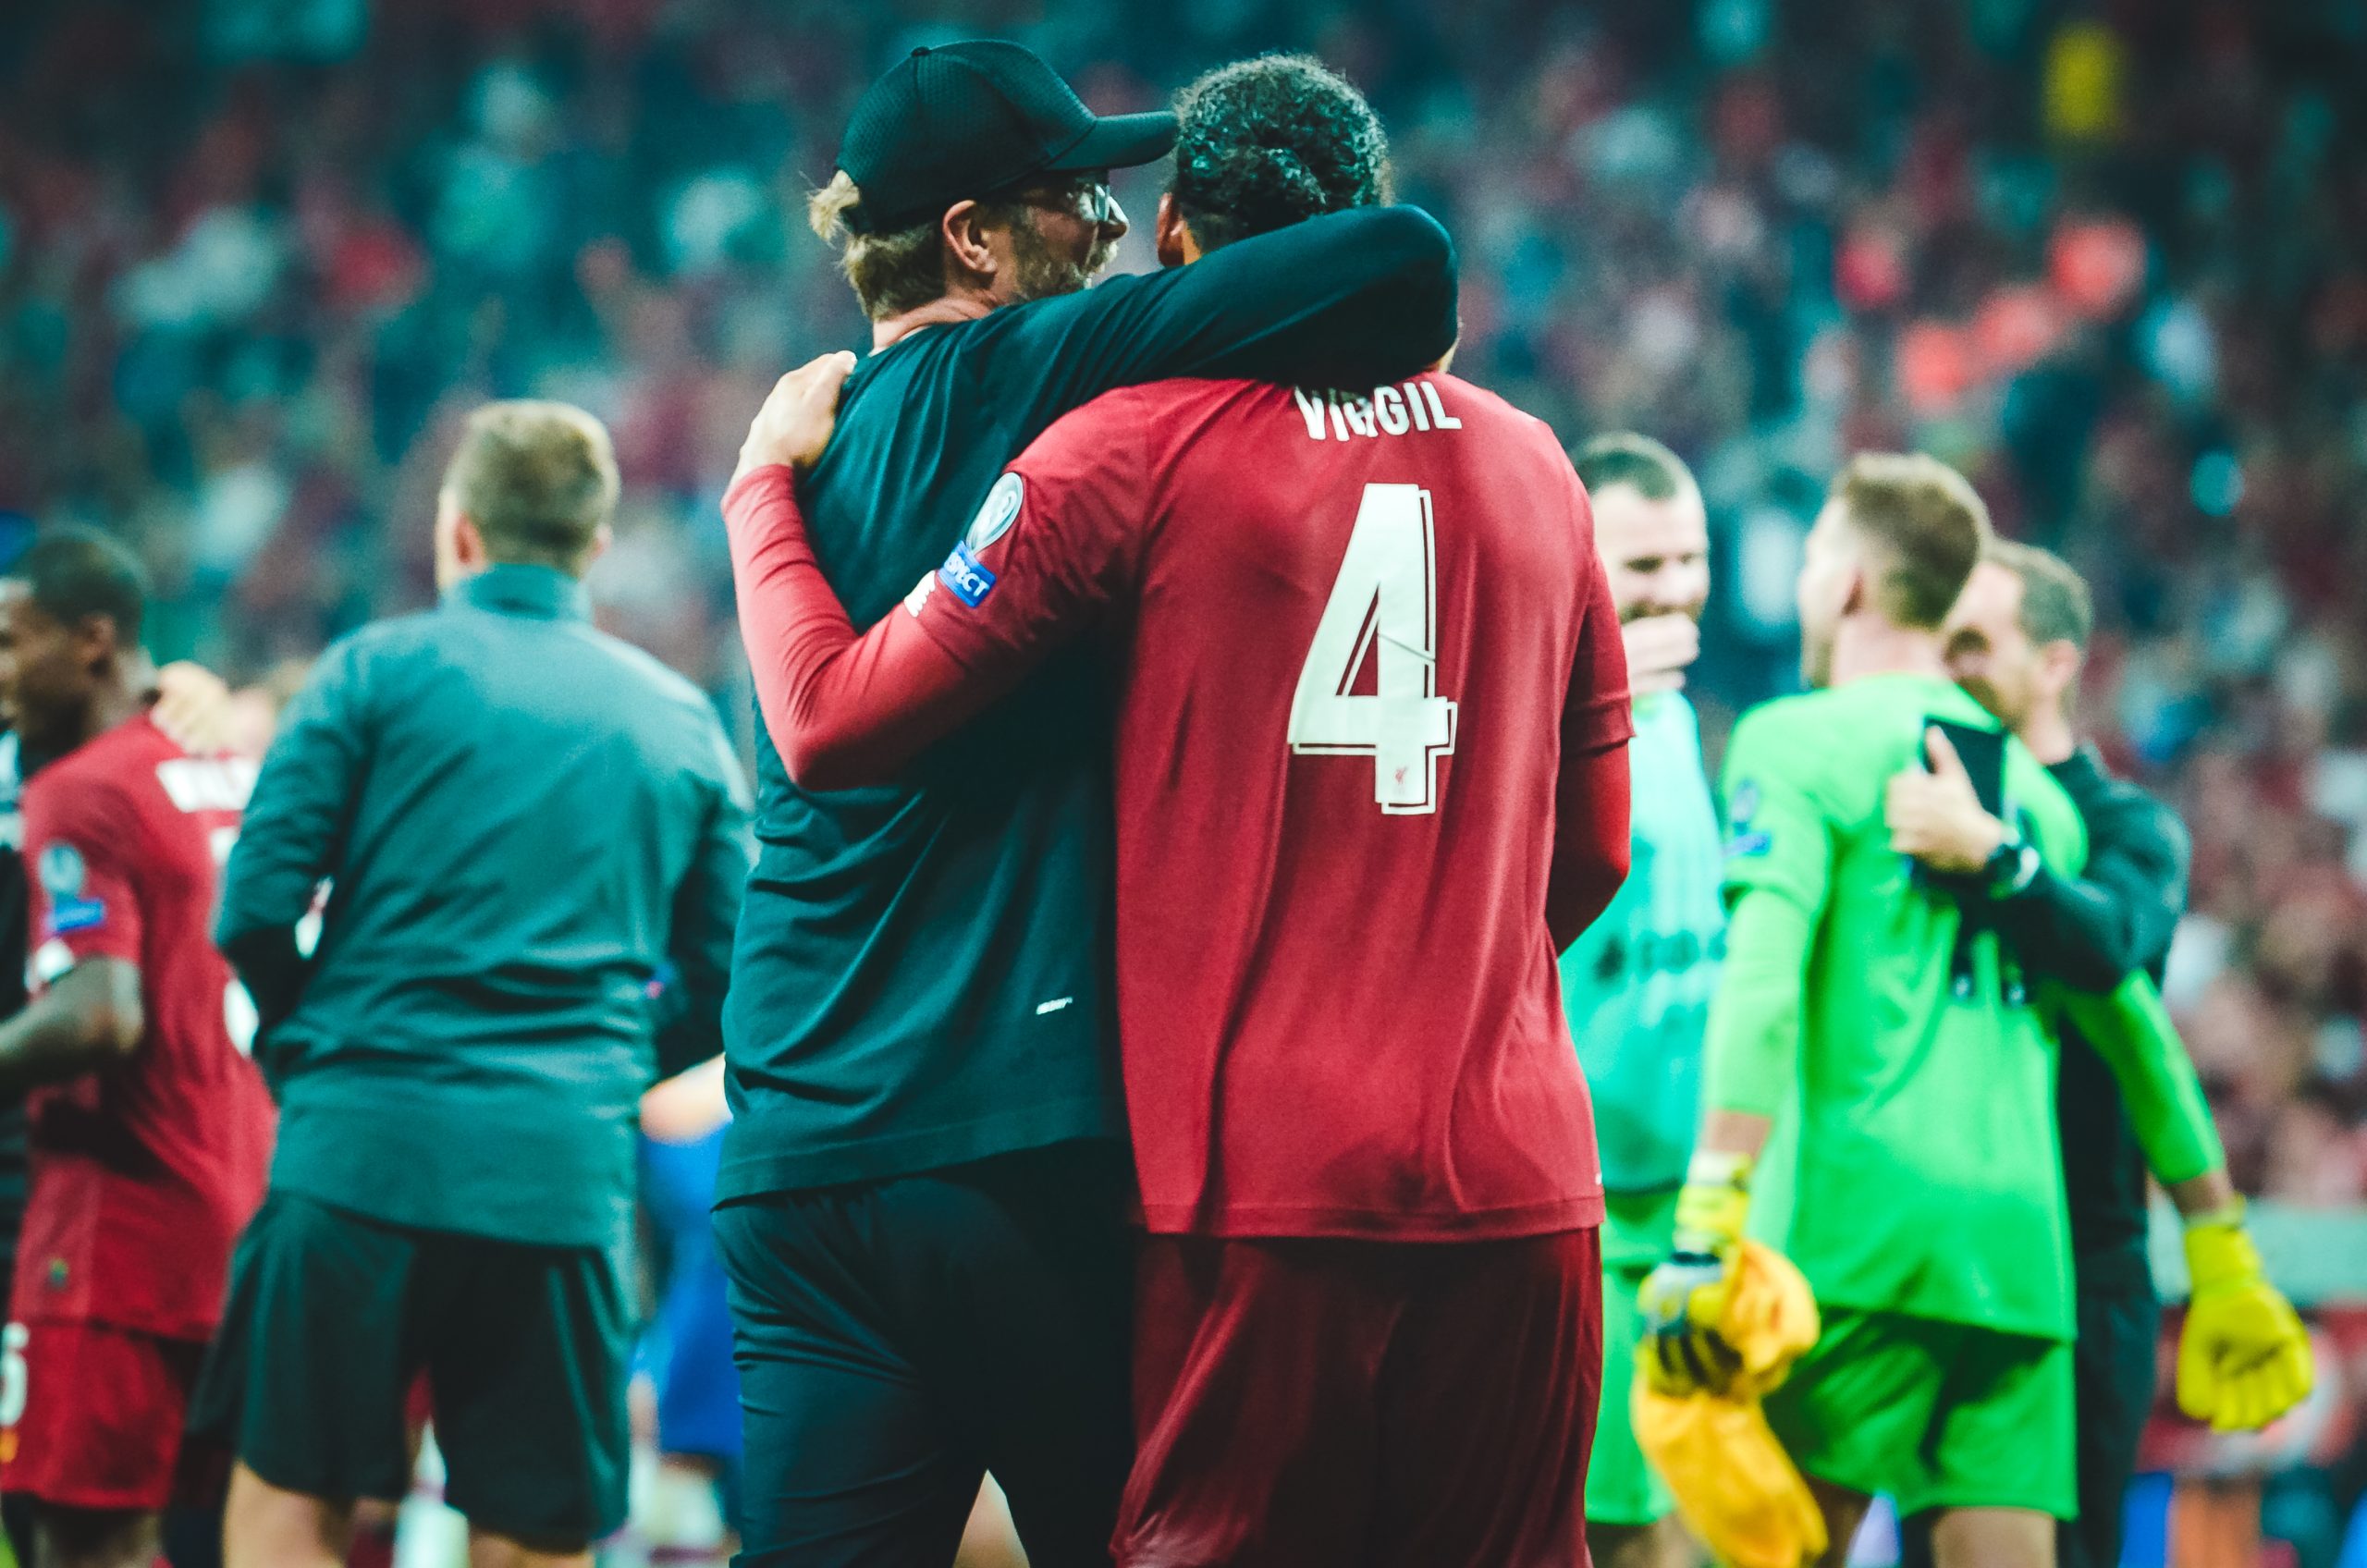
(924, 1190)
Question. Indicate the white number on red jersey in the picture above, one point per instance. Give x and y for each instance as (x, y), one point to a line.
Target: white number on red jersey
(239, 1014)
(1383, 606)
(13, 1340)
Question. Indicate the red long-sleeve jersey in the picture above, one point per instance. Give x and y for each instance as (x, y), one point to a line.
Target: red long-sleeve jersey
(1371, 702)
(143, 1170)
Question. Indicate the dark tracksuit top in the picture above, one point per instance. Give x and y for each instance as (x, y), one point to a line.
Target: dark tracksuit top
(536, 838)
(923, 971)
(2092, 932)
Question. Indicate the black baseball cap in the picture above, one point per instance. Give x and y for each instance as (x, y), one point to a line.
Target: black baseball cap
(973, 118)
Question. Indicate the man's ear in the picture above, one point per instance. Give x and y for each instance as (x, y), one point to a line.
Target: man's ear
(1861, 595)
(95, 642)
(1172, 237)
(2059, 663)
(468, 545)
(969, 258)
(602, 537)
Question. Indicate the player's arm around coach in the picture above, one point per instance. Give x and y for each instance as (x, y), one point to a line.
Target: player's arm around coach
(530, 828)
(924, 1187)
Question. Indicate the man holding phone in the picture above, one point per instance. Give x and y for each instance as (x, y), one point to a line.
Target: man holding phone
(2015, 641)
(1879, 1088)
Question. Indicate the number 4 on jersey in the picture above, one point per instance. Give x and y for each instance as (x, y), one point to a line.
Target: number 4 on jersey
(1383, 606)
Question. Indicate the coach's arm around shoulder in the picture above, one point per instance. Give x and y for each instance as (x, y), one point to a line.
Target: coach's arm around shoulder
(293, 832)
(2091, 931)
(2116, 917)
(1351, 299)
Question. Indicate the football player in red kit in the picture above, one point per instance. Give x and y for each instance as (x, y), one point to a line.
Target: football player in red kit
(150, 1128)
(1372, 705)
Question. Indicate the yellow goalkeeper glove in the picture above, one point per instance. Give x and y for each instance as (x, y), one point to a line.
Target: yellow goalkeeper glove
(1685, 1299)
(2244, 1358)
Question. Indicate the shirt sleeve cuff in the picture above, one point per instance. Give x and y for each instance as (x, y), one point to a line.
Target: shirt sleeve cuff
(1603, 722)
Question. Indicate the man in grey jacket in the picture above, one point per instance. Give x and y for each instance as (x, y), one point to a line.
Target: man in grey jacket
(536, 839)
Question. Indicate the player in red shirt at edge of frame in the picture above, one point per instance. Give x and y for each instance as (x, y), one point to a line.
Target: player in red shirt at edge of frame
(150, 1128)
(1372, 707)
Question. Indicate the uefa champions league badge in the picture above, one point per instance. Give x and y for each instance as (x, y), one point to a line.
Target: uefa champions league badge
(1741, 838)
(62, 877)
(999, 512)
(964, 570)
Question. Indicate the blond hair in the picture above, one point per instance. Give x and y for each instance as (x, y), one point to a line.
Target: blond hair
(898, 270)
(538, 479)
(1926, 528)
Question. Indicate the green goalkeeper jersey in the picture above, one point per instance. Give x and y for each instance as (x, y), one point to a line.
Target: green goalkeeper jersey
(1636, 983)
(1917, 1168)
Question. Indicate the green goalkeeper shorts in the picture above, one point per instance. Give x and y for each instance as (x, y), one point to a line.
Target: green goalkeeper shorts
(1934, 1415)
(1638, 1231)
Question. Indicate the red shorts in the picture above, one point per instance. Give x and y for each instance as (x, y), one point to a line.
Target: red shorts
(1319, 1402)
(93, 1417)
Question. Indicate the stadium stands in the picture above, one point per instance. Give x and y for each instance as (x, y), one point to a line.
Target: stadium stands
(257, 258)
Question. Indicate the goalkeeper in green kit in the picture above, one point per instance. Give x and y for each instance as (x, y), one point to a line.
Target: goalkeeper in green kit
(1879, 1084)
(1637, 985)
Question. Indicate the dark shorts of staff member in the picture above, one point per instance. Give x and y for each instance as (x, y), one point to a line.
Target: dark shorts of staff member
(334, 1318)
(536, 837)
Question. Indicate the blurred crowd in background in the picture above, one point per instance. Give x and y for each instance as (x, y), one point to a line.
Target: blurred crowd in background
(257, 257)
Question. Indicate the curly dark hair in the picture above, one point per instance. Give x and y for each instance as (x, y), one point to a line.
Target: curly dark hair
(73, 573)
(1265, 143)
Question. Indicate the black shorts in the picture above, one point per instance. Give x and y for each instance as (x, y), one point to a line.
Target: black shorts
(2120, 1329)
(898, 1339)
(332, 1317)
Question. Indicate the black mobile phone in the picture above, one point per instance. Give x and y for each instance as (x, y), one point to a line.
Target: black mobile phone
(1983, 753)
